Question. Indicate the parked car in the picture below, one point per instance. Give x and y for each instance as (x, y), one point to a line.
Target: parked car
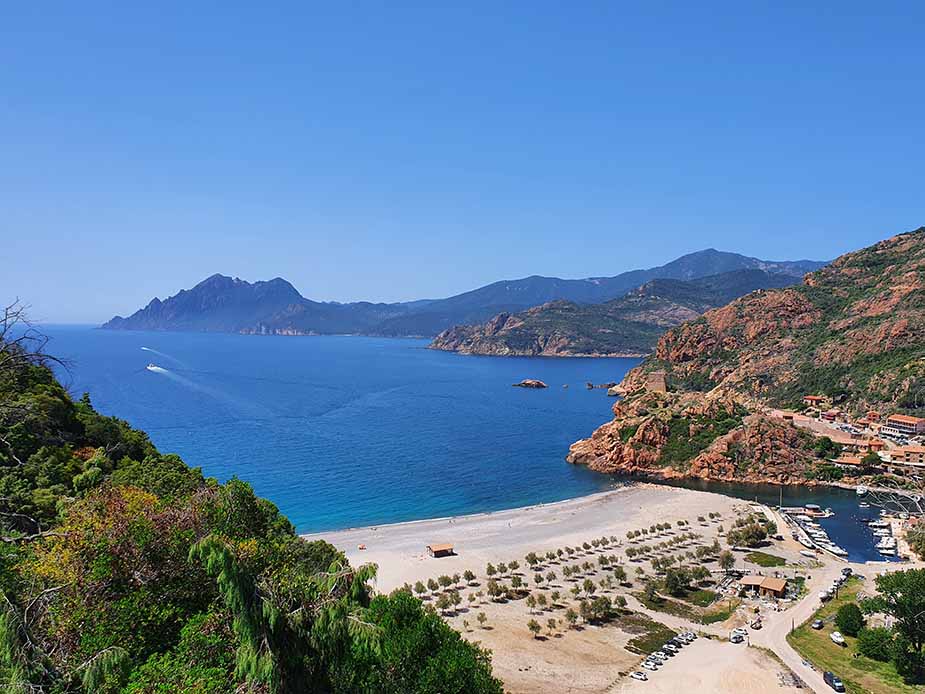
(832, 680)
(671, 647)
(736, 637)
(817, 624)
(691, 635)
(660, 655)
(756, 625)
(846, 571)
(740, 630)
(639, 675)
(824, 595)
(650, 665)
(837, 638)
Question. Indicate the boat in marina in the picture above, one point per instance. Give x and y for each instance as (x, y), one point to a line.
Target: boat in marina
(861, 491)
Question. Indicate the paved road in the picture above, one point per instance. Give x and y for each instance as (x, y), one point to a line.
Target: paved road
(777, 625)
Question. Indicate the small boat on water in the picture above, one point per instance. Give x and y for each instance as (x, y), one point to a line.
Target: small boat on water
(863, 504)
(861, 491)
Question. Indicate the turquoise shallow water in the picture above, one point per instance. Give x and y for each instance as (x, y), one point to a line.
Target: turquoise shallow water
(346, 431)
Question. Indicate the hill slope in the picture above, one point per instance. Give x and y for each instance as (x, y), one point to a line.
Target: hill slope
(852, 331)
(223, 304)
(124, 570)
(628, 326)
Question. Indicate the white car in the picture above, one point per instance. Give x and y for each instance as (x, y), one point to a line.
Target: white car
(740, 630)
(660, 655)
(671, 647)
(650, 665)
(690, 635)
(837, 638)
(639, 675)
(736, 638)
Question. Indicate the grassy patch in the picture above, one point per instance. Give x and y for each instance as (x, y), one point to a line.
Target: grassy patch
(651, 635)
(668, 606)
(700, 598)
(765, 559)
(721, 612)
(859, 674)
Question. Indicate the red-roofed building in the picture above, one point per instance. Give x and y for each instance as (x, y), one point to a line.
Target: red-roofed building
(905, 424)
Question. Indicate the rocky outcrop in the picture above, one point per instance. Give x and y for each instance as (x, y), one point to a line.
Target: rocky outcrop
(530, 383)
(853, 332)
(671, 436)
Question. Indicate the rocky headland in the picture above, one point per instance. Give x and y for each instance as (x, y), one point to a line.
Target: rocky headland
(699, 406)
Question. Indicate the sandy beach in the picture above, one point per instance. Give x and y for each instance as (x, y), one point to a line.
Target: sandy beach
(400, 549)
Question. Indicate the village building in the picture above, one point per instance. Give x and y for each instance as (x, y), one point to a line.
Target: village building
(904, 425)
(813, 400)
(767, 586)
(908, 454)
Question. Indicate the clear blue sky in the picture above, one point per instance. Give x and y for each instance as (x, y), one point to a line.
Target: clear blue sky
(391, 151)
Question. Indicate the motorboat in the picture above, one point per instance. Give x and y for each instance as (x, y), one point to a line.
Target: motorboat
(861, 491)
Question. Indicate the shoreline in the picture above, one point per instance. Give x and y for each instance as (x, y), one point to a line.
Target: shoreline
(399, 549)
(318, 534)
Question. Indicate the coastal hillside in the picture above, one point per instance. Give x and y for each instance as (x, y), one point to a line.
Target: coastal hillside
(628, 326)
(225, 304)
(231, 305)
(852, 332)
(124, 570)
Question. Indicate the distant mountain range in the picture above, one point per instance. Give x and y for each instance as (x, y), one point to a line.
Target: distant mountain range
(225, 304)
(628, 326)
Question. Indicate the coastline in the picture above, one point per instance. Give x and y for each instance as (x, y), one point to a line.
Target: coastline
(399, 549)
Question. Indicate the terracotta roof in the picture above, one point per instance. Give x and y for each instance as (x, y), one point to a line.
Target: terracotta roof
(444, 547)
(751, 580)
(904, 418)
(775, 584)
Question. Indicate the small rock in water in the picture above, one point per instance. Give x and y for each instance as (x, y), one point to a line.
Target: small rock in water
(530, 383)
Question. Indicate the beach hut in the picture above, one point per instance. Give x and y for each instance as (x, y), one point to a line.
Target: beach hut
(440, 550)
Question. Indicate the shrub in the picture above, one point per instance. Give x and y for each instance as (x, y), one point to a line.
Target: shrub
(849, 619)
(876, 643)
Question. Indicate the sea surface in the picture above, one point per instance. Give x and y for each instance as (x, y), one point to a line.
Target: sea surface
(349, 431)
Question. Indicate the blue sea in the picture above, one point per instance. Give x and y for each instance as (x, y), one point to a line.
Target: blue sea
(350, 431)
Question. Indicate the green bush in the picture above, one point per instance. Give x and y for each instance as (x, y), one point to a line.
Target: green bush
(849, 619)
(876, 643)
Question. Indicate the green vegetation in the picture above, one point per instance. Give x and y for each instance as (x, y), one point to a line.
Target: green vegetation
(751, 531)
(858, 671)
(700, 598)
(124, 570)
(825, 473)
(764, 559)
(629, 324)
(689, 436)
(824, 337)
(720, 612)
(902, 596)
(916, 539)
(652, 635)
(849, 619)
